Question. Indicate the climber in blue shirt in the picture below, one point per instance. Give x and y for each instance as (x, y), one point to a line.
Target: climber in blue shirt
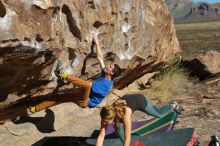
(89, 94)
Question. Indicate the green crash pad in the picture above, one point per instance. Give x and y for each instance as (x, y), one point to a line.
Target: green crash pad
(179, 137)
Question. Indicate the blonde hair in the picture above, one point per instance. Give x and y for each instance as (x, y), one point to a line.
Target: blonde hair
(115, 112)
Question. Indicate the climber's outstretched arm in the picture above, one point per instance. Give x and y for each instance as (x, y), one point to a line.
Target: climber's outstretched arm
(98, 51)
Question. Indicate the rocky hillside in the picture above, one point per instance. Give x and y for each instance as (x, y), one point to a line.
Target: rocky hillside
(186, 10)
(138, 35)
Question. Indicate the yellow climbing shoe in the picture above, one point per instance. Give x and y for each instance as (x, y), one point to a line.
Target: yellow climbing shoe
(63, 75)
(31, 110)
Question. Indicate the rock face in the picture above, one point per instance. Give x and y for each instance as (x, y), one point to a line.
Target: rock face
(204, 65)
(139, 35)
(186, 10)
(212, 61)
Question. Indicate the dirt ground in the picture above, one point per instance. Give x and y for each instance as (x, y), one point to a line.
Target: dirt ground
(201, 102)
(201, 109)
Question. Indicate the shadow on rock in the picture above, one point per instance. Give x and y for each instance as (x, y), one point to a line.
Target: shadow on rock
(196, 69)
(44, 124)
(3, 97)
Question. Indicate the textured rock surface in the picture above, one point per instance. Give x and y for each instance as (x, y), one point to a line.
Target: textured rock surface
(20, 130)
(62, 120)
(211, 60)
(139, 35)
(204, 65)
(48, 120)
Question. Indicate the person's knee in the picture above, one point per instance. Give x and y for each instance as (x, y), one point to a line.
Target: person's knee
(153, 111)
(88, 85)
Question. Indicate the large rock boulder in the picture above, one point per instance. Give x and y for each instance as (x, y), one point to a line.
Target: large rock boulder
(211, 60)
(139, 35)
(204, 66)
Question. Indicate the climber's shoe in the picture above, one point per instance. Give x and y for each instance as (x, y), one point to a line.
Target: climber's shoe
(31, 110)
(59, 71)
(63, 75)
(176, 107)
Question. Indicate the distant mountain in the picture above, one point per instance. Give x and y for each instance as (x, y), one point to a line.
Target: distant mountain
(186, 10)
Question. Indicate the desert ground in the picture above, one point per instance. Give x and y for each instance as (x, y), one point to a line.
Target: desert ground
(198, 37)
(201, 101)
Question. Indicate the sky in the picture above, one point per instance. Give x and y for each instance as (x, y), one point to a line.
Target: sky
(210, 1)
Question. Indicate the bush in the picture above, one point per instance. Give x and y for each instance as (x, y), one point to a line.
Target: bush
(169, 83)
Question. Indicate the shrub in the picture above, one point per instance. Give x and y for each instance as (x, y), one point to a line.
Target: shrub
(169, 83)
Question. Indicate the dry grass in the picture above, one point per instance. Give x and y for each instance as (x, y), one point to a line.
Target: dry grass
(171, 82)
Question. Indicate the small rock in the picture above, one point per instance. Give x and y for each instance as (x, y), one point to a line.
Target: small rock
(207, 100)
(216, 112)
(212, 61)
(217, 95)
